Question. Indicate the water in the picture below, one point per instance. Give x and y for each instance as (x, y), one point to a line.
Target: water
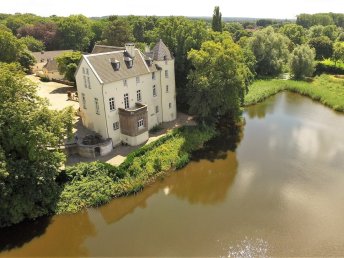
(279, 193)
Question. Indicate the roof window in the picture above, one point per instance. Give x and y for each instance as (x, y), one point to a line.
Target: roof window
(116, 65)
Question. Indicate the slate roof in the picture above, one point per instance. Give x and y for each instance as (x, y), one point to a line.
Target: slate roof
(104, 49)
(101, 64)
(51, 65)
(42, 57)
(160, 52)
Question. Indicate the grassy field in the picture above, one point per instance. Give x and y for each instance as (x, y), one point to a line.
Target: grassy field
(92, 184)
(326, 89)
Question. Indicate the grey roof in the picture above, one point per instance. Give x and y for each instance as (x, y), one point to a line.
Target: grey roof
(101, 64)
(51, 65)
(105, 49)
(43, 56)
(160, 52)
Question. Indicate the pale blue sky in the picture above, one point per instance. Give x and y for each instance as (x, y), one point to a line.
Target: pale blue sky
(229, 8)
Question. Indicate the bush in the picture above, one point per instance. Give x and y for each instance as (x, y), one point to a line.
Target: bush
(329, 67)
(92, 184)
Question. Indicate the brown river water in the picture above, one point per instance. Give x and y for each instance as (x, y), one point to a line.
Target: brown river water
(280, 192)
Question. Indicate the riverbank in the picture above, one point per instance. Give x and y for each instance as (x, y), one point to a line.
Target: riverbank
(92, 184)
(326, 89)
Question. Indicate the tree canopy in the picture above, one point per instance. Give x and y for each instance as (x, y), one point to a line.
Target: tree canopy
(30, 135)
(216, 23)
(271, 51)
(218, 80)
(68, 63)
(302, 61)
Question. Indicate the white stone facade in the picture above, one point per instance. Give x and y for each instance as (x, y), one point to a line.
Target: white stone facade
(102, 94)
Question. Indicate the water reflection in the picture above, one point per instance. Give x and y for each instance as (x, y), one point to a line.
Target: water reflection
(280, 190)
(63, 237)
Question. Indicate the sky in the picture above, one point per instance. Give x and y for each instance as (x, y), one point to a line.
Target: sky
(287, 9)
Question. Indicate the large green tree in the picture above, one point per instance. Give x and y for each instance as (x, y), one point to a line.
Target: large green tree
(216, 23)
(30, 159)
(302, 61)
(32, 44)
(323, 47)
(218, 80)
(117, 32)
(296, 33)
(68, 63)
(338, 52)
(10, 47)
(271, 51)
(75, 32)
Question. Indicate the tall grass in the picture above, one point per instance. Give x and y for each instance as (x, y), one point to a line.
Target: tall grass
(326, 89)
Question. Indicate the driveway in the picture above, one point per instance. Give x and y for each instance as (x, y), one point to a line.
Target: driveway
(56, 93)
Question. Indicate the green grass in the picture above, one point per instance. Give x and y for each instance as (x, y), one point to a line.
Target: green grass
(326, 89)
(96, 183)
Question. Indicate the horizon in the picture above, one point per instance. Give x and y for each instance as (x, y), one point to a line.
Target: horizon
(265, 9)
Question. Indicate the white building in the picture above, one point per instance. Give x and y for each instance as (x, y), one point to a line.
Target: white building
(124, 93)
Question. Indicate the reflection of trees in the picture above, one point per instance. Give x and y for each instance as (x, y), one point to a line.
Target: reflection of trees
(261, 109)
(17, 235)
(204, 182)
(63, 237)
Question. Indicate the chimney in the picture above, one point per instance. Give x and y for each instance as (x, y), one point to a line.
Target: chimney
(130, 48)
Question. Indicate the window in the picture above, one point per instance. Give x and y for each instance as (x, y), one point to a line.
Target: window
(87, 71)
(83, 100)
(89, 83)
(166, 73)
(83, 70)
(156, 109)
(112, 104)
(154, 91)
(138, 94)
(169, 105)
(97, 105)
(140, 123)
(130, 63)
(165, 58)
(125, 83)
(138, 79)
(85, 82)
(115, 126)
(117, 65)
(126, 100)
(166, 88)
(153, 75)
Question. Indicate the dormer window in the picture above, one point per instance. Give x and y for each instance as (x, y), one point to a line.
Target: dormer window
(116, 65)
(130, 64)
(129, 61)
(149, 61)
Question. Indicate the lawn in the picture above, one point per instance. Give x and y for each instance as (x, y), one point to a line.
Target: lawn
(326, 89)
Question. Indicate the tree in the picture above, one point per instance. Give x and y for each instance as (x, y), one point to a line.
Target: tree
(270, 50)
(45, 32)
(338, 51)
(26, 60)
(302, 61)
(10, 47)
(331, 31)
(68, 63)
(316, 31)
(216, 23)
(323, 47)
(30, 159)
(117, 32)
(75, 32)
(294, 32)
(32, 44)
(218, 80)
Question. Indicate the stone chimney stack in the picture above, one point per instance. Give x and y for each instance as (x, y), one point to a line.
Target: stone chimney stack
(130, 48)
